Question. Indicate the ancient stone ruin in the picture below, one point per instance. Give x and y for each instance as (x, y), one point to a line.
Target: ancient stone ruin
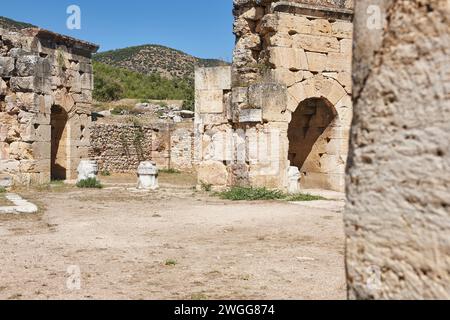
(279, 117)
(285, 102)
(46, 87)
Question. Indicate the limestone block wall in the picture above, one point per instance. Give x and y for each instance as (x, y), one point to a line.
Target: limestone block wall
(212, 116)
(290, 97)
(46, 87)
(398, 217)
(119, 148)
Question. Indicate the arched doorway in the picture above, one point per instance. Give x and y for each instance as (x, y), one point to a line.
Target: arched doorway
(59, 164)
(309, 123)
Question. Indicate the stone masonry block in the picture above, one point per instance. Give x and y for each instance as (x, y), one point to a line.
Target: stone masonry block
(271, 98)
(317, 62)
(250, 115)
(6, 66)
(290, 58)
(209, 101)
(317, 43)
(217, 78)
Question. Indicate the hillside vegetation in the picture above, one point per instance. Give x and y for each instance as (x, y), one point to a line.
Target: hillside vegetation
(147, 72)
(151, 59)
(112, 83)
(10, 24)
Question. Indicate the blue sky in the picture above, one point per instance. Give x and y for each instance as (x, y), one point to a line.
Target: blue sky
(202, 28)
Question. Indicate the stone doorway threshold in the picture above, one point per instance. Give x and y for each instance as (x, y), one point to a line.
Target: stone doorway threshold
(20, 206)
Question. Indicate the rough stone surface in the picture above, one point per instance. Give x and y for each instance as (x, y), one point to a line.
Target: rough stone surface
(120, 148)
(398, 217)
(20, 206)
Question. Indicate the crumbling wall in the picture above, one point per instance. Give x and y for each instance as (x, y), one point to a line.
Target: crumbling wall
(286, 53)
(398, 217)
(119, 148)
(41, 71)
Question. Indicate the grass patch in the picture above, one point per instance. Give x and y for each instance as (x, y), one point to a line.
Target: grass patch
(90, 183)
(105, 173)
(170, 171)
(303, 197)
(171, 263)
(2, 190)
(251, 194)
(57, 182)
(199, 297)
(256, 194)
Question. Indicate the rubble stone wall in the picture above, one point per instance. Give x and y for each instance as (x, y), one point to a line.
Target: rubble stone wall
(119, 148)
(288, 55)
(398, 212)
(46, 87)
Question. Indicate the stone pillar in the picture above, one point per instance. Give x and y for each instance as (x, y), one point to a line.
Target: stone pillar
(398, 214)
(87, 169)
(148, 176)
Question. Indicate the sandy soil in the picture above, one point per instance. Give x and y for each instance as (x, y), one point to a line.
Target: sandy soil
(172, 244)
(4, 201)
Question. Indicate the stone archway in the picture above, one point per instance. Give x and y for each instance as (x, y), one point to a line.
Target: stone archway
(308, 142)
(59, 143)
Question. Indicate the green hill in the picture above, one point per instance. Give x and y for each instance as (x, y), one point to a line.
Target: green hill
(151, 59)
(10, 24)
(147, 72)
(112, 83)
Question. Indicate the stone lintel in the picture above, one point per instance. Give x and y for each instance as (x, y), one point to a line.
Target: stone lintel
(314, 11)
(77, 44)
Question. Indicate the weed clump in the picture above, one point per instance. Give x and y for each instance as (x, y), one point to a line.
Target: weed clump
(90, 183)
(170, 171)
(251, 194)
(255, 194)
(171, 263)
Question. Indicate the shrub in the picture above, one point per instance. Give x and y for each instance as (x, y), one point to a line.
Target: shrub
(303, 197)
(117, 111)
(2, 190)
(105, 173)
(251, 194)
(90, 183)
(189, 105)
(112, 83)
(106, 88)
(171, 263)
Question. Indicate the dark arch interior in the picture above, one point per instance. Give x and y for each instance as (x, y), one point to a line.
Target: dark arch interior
(59, 118)
(309, 122)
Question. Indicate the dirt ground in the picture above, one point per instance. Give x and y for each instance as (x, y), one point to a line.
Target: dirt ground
(172, 244)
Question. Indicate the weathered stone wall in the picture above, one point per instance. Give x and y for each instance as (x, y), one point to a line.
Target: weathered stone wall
(119, 148)
(398, 214)
(288, 54)
(43, 75)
